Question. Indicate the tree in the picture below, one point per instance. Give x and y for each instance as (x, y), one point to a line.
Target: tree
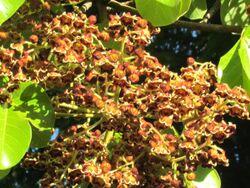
(130, 120)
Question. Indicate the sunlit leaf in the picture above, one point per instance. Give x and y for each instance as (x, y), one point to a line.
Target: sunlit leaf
(197, 9)
(185, 5)
(234, 12)
(15, 137)
(234, 66)
(8, 8)
(32, 100)
(207, 178)
(162, 12)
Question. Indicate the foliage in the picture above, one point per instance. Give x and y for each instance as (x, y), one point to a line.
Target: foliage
(13, 135)
(8, 8)
(162, 12)
(197, 9)
(235, 12)
(140, 124)
(236, 61)
(29, 106)
(207, 178)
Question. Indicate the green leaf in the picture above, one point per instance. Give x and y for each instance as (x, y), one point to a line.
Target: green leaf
(3, 80)
(115, 140)
(15, 137)
(233, 12)
(40, 138)
(207, 178)
(8, 8)
(57, 9)
(4, 173)
(185, 5)
(234, 66)
(111, 44)
(162, 12)
(32, 100)
(197, 10)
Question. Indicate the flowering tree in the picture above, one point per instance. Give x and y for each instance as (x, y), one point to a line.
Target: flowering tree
(133, 122)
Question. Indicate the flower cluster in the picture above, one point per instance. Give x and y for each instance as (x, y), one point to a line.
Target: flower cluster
(145, 126)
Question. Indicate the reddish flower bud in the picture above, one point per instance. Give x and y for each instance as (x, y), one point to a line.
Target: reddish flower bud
(190, 60)
(105, 167)
(3, 35)
(92, 19)
(191, 176)
(34, 38)
(142, 23)
(134, 78)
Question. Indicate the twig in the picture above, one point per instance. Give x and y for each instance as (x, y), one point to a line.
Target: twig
(101, 120)
(77, 108)
(76, 115)
(129, 163)
(102, 11)
(206, 143)
(66, 168)
(208, 27)
(211, 12)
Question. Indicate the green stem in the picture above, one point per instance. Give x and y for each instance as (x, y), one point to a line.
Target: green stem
(123, 45)
(66, 168)
(108, 136)
(79, 115)
(125, 59)
(159, 134)
(98, 87)
(77, 108)
(86, 130)
(175, 131)
(206, 143)
(117, 94)
(128, 164)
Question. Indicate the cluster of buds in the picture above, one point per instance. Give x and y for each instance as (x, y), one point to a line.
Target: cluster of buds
(145, 126)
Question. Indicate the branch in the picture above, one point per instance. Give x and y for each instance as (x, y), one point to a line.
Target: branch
(102, 11)
(208, 27)
(212, 11)
(187, 24)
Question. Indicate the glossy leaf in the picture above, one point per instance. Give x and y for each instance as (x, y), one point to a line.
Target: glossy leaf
(4, 173)
(234, 66)
(207, 178)
(32, 100)
(15, 137)
(8, 8)
(197, 9)
(40, 138)
(234, 12)
(162, 12)
(185, 5)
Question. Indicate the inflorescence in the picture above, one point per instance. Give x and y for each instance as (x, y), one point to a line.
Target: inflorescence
(145, 126)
